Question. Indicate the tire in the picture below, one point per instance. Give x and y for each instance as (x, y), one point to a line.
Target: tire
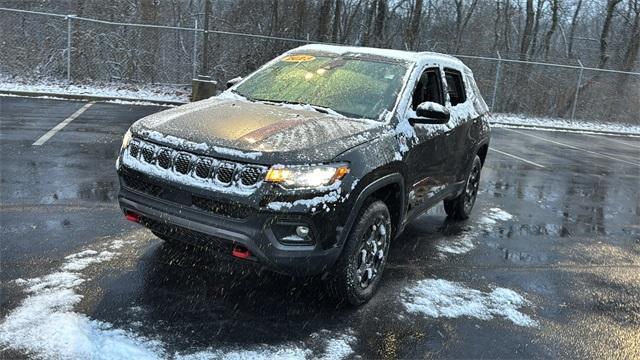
(459, 208)
(357, 273)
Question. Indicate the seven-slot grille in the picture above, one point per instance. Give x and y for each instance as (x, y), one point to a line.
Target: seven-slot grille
(205, 168)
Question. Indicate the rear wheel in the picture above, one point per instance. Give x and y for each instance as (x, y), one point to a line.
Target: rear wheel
(358, 271)
(460, 207)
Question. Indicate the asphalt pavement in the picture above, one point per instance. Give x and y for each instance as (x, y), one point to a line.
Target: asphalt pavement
(548, 266)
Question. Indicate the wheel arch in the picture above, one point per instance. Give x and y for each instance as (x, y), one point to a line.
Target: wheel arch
(390, 189)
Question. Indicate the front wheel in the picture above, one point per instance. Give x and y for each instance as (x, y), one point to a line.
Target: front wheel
(358, 271)
(460, 207)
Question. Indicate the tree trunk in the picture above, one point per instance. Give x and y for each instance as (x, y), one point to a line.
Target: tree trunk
(631, 54)
(379, 25)
(350, 19)
(335, 35)
(462, 19)
(574, 23)
(300, 9)
(536, 28)
(323, 20)
(554, 25)
(371, 14)
(496, 27)
(528, 28)
(414, 25)
(606, 27)
(507, 22)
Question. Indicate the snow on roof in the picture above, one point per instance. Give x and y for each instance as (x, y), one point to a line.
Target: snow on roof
(411, 56)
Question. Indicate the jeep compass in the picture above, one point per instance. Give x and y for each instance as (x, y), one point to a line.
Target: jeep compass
(312, 164)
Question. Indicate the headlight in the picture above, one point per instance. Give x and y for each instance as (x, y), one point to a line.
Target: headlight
(126, 140)
(307, 176)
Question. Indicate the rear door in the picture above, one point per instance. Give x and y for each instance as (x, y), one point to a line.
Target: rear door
(459, 139)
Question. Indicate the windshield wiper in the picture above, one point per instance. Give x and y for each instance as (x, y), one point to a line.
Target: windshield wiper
(318, 108)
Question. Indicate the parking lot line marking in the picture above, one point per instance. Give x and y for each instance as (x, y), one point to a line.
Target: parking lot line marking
(517, 157)
(577, 148)
(43, 139)
(610, 138)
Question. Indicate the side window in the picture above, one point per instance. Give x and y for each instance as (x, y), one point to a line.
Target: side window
(455, 87)
(428, 88)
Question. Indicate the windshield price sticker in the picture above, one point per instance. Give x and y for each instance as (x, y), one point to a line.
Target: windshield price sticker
(298, 58)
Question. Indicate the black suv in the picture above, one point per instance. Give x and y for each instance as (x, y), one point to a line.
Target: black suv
(313, 163)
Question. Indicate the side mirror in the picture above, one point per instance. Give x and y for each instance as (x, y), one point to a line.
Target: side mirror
(430, 113)
(233, 81)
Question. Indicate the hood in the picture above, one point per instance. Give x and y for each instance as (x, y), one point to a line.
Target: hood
(238, 129)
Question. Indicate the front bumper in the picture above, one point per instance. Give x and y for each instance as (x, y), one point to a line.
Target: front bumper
(255, 227)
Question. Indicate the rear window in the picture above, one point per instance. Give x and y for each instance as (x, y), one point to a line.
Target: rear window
(455, 87)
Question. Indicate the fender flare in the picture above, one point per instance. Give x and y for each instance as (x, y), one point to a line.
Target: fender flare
(393, 178)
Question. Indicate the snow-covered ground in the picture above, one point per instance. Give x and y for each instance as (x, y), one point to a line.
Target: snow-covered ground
(148, 92)
(510, 120)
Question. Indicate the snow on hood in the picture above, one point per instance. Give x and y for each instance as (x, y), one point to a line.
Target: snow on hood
(231, 127)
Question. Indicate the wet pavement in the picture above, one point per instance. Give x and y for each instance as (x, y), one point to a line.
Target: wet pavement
(548, 265)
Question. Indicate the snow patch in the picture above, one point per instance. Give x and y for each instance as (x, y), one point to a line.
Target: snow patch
(45, 324)
(463, 243)
(441, 298)
(114, 90)
(259, 354)
(332, 197)
(545, 123)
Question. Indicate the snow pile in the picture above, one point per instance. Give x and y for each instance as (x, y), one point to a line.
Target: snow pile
(463, 243)
(441, 298)
(45, 324)
(112, 90)
(513, 120)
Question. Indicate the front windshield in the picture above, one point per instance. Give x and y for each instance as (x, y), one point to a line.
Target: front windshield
(354, 87)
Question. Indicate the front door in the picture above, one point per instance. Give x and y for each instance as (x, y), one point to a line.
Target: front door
(427, 159)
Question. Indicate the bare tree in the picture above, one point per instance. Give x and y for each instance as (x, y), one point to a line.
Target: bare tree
(462, 19)
(335, 34)
(414, 24)
(379, 24)
(528, 28)
(604, 35)
(574, 23)
(631, 54)
(536, 28)
(552, 29)
(323, 20)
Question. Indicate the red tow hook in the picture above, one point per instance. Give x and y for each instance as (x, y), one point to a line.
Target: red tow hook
(133, 217)
(241, 252)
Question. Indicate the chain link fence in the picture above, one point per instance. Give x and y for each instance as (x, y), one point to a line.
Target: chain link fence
(37, 45)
